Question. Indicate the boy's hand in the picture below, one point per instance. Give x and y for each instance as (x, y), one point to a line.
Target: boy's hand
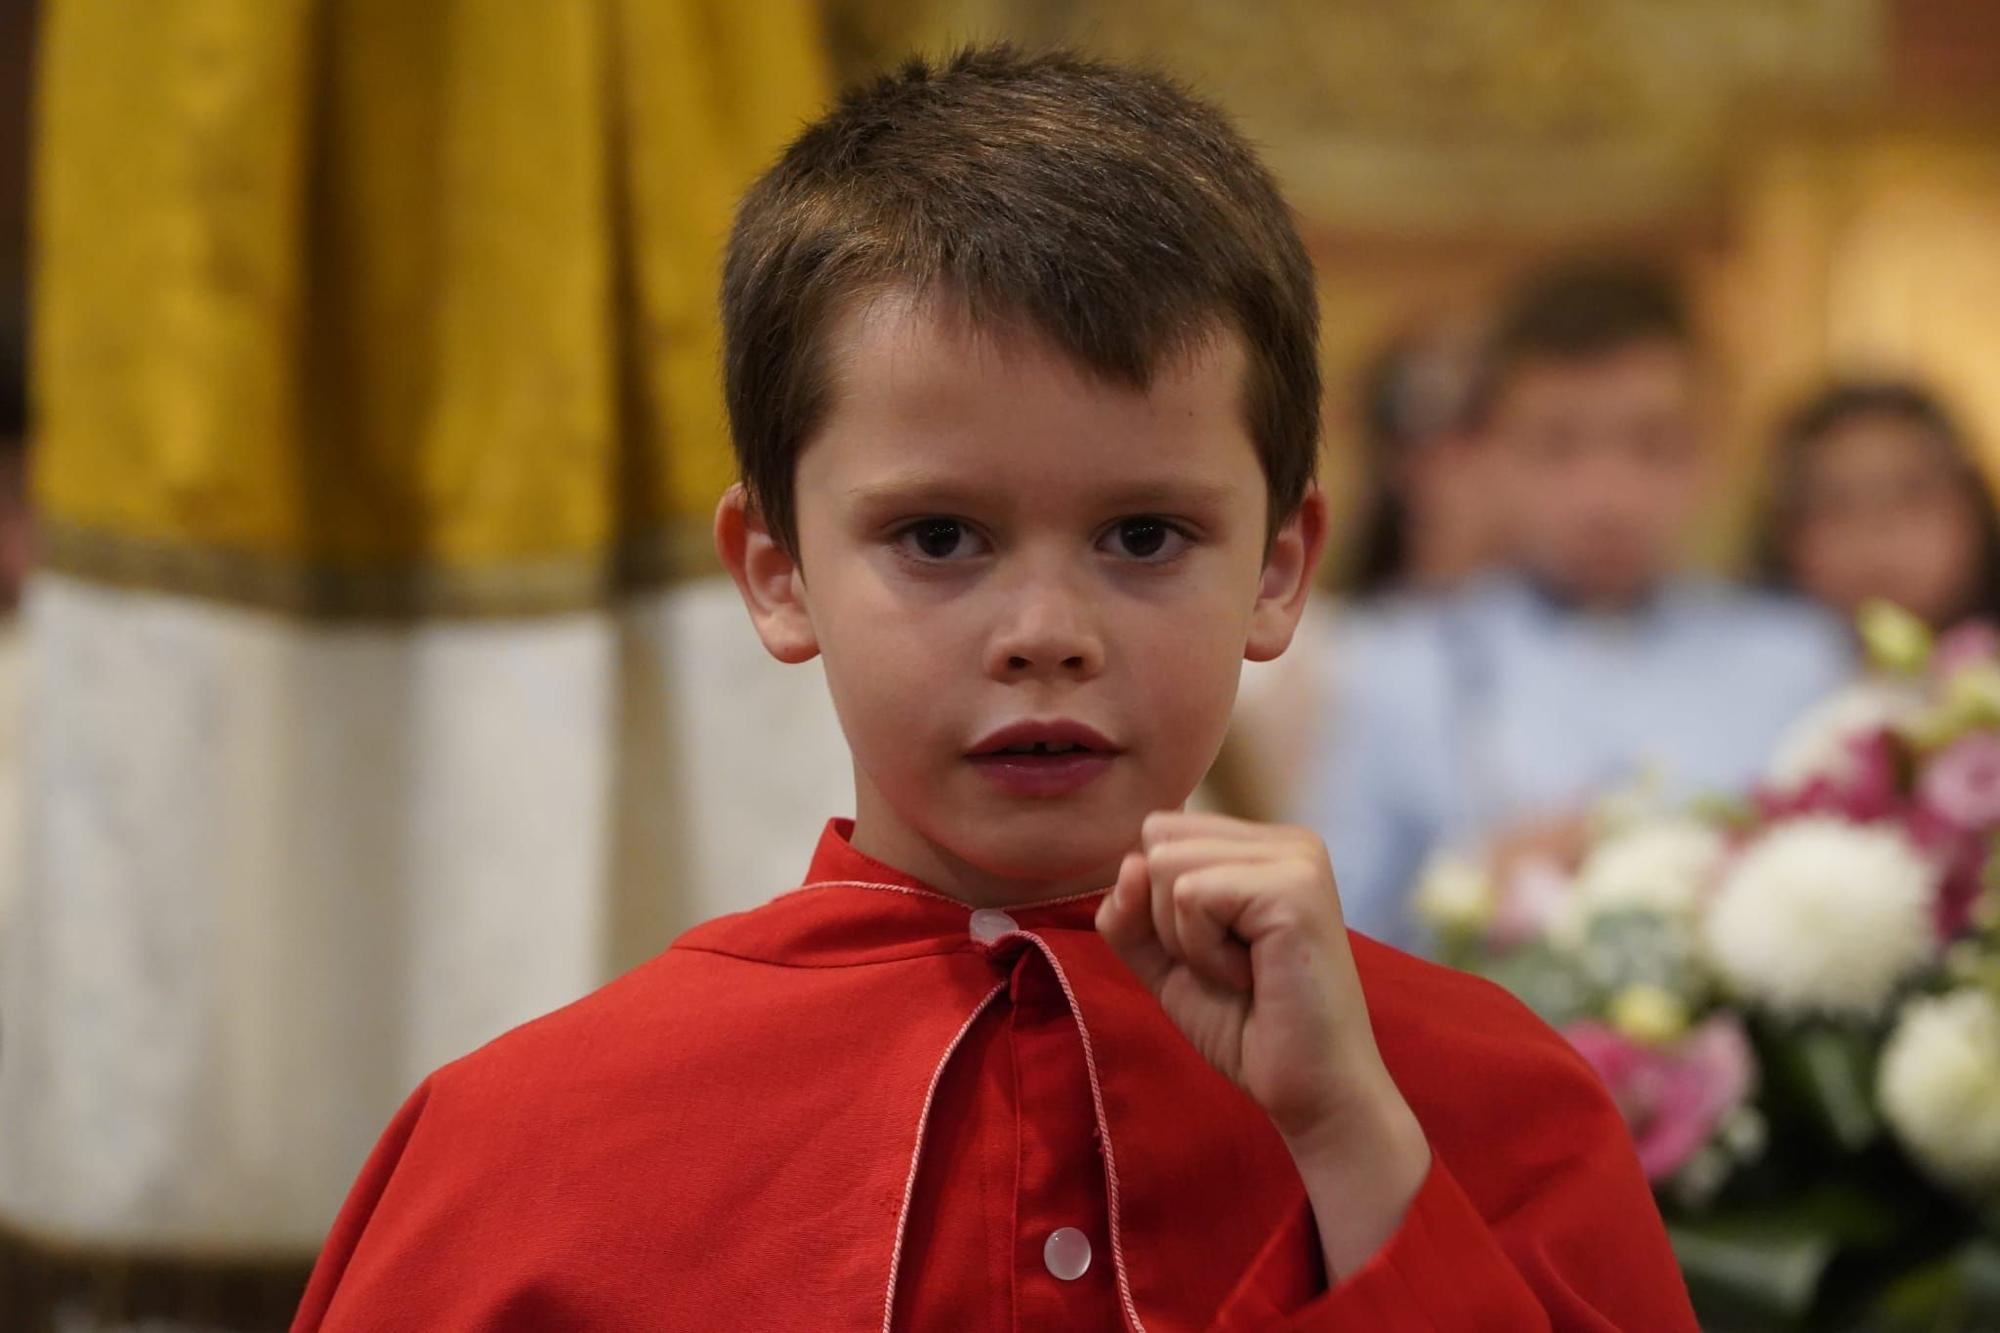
(1236, 928)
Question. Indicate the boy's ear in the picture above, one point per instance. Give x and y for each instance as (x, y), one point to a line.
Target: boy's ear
(767, 576)
(1287, 578)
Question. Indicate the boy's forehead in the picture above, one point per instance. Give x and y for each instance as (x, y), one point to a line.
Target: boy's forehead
(913, 355)
(928, 404)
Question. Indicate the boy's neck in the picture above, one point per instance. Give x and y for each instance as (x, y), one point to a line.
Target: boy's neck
(879, 834)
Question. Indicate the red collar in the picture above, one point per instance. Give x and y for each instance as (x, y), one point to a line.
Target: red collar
(853, 909)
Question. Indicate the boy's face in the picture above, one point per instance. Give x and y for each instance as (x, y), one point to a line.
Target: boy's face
(1602, 468)
(999, 550)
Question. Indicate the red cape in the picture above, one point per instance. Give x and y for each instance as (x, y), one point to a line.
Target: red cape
(730, 1137)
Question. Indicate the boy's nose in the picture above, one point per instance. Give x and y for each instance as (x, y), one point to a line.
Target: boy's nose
(1049, 638)
(1075, 664)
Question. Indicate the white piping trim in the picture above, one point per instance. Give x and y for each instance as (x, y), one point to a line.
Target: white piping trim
(1103, 1132)
(935, 896)
(923, 1120)
(870, 884)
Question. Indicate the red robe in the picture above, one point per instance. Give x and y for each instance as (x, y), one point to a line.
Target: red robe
(859, 1106)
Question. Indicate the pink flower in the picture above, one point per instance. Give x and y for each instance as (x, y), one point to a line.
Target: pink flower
(1964, 882)
(1531, 898)
(1673, 1097)
(1963, 784)
(1971, 644)
(1866, 790)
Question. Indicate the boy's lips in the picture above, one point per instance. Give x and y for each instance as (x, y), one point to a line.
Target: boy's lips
(1051, 758)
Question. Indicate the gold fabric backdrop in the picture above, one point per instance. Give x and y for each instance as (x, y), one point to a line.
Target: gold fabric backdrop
(379, 428)
(387, 306)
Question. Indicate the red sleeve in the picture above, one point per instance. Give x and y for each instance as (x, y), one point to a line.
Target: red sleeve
(1441, 1270)
(354, 1216)
(1580, 1250)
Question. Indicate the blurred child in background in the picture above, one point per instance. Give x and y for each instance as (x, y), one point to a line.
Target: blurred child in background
(1492, 719)
(1876, 495)
(1424, 523)
(1427, 520)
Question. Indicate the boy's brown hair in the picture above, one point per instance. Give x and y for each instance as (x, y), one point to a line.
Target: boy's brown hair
(1107, 209)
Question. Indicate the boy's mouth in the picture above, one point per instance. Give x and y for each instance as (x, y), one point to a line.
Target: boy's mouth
(1052, 758)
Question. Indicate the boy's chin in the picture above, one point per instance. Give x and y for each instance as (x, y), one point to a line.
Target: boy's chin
(1048, 846)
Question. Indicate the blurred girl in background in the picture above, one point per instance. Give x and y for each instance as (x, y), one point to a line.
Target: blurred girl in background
(1877, 493)
(1427, 520)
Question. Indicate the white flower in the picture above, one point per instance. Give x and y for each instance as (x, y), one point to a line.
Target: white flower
(1822, 916)
(1820, 745)
(1662, 867)
(1940, 1085)
(1455, 893)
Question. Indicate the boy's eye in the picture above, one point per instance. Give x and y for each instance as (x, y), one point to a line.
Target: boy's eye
(938, 539)
(1152, 539)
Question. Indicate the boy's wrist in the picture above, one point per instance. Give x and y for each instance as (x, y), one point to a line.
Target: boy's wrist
(1362, 1166)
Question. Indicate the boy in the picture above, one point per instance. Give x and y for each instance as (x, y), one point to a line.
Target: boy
(1497, 714)
(1022, 378)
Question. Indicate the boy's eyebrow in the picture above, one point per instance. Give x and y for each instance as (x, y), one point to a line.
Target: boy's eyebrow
(1160, 493)
(1170, 493)
(911, 488)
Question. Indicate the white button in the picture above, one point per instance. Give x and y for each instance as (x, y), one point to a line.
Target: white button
(990, 923)
(1067, 1253)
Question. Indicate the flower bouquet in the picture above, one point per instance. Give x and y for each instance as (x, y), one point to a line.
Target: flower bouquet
(1795, 999)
